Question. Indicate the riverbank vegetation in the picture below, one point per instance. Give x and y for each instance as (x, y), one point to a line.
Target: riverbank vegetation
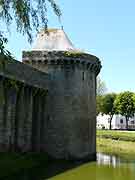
(118, 143)
(116, 135)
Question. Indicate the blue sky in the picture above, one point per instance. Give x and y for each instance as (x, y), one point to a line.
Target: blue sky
(101, 27)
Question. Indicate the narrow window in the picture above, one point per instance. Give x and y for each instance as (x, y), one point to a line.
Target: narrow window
(121, 121)
(83, 76)
(132, 122)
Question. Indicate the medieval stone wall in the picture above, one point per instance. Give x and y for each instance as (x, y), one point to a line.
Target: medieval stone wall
(71, 123)
(71, 126)
(23, 97)
(51, 107)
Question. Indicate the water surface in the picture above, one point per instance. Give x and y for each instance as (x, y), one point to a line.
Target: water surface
(107, 167)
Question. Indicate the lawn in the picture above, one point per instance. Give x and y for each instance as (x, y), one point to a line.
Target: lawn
(118, 143)
(117, 135)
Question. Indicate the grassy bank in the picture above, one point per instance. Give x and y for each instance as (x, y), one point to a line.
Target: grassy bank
(116, 142)
(119, 148)
(11, 163)
(117, 135)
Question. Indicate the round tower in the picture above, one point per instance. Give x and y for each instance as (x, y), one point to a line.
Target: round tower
(70, 124)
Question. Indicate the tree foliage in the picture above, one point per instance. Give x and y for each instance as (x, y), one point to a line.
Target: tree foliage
(125, 105)
(106, 105)
(4, 53)
(29, 15)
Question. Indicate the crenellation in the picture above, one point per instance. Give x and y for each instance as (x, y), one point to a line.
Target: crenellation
(61, 58)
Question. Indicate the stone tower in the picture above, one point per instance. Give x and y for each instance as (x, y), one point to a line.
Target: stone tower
(70, 128)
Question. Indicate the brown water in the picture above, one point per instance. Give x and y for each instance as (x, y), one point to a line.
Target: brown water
(106, 168)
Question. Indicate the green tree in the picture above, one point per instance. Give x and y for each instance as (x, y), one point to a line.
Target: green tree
(124, 105)
(107, 106)
(4, 53)
(29, 15)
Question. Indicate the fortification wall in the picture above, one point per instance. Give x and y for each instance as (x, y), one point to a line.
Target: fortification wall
(23, 107)
(71, 125)
(72, 121)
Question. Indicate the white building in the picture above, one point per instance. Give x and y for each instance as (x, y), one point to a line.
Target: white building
(118, 122)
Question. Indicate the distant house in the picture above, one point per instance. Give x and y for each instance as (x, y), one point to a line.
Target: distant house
(118, 122)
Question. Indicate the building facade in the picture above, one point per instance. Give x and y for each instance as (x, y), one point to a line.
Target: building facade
(118, 122)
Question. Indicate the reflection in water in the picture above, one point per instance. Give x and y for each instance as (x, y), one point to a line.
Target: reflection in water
(106, 168)
(95, 170)
(104, 159)
(114, 161)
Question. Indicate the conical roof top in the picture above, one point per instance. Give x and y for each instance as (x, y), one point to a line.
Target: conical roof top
(55, 40)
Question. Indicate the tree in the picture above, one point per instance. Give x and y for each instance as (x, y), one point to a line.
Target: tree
(4, 53)
(29, 15)
(124, 105)
(101, 87)
(101, 90)
(107, 106)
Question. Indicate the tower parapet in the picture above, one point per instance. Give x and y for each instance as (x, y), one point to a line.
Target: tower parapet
(62, 58)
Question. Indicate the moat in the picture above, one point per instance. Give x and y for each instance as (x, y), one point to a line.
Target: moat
(106, 167)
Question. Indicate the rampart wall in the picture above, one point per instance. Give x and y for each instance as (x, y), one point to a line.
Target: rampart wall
(23, 96)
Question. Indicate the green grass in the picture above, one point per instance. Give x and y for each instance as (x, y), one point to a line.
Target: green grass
(118, 143)
(119, 148)
(116, 135)
(11, 163)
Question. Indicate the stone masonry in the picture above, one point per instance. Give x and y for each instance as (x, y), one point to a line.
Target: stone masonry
(23, 97)
(70, 131)
(48, 102)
